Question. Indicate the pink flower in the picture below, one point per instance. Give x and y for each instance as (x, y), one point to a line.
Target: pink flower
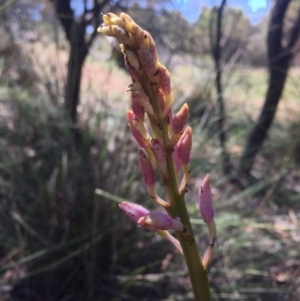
(165, 80)
(148, 61)
(137, 131)
(131, 62)
(133, 211)
(205, 201)
(140, 97)
(159, 151)
(177, 163)
(165, 108)
(185, 146)
(117, 32)
(147, 169)
(179, 120)
(156, 220)
(138, 110)
(153, 220)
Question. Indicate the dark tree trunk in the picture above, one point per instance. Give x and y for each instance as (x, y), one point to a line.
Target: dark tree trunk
(80, 42)
(217, 56)
(73, 81)
(279, 59)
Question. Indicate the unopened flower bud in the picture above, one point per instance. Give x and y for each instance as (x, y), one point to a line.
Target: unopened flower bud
(150, 44)
(138, 95)
(131, 58)
(137, 33)
(178, 123)
(119, 21)
(164, 79)
(205, 200)
(138, 130)
(111, 18)
(156, 220)
(149, 178)
(158, 148)
(147, 169)
(107, 18)
(133, 211)
(185, 146)
(179, 120)
(148, 61)
(127, 17)
(138, 110)
(177, 163)
(117, 32)
(168, 116)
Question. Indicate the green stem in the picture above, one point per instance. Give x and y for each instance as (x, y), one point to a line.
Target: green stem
(198, 275)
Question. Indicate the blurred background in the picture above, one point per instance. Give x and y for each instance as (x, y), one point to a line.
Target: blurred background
(63, 134)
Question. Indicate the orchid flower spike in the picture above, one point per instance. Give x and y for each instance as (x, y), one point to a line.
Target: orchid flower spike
(166, 142)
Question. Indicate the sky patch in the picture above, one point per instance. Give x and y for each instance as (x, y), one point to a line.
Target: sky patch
(256, 5)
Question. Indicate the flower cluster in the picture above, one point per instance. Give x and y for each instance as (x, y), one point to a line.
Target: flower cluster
(165, 141)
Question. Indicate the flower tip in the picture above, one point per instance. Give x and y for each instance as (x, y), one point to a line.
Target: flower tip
(142, 220)
(206, 182)
(130, 115)
(123, 205)
(99, 29)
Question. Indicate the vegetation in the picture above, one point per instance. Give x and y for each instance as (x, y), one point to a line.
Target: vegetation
(62, 241)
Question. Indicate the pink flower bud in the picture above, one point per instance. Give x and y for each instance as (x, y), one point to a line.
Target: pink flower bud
(167, 114)
(185, 146)
(127, 17)
(148, 61)
(156, 220)
(177, 163)
(131, 58)
(118, 21)
(158, 148)
(133, 211)
(164, 79)
(150, 44)
(117, 32)
(137, 33)
(122, 21)
(147, 169)
(136, 132)
(138, 110)
(132, 64)
(107, 18)
(165, 103)
(132, 72)
(139, 96)
(205, 201)
(179, 120)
